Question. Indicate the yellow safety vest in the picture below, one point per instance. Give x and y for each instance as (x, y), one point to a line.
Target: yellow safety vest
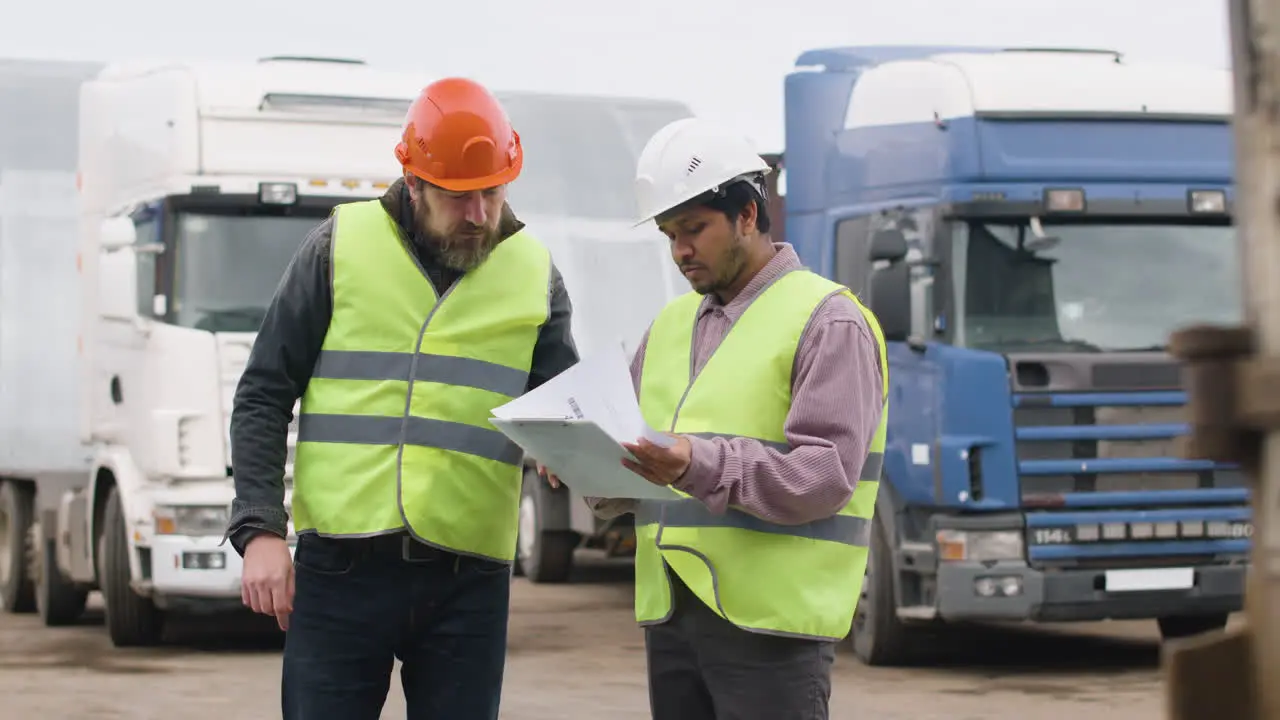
(794, 580)
(394, 430)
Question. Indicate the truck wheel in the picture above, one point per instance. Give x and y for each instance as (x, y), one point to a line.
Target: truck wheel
(132, 620)
(1180, 626)
(879, 637)
(57, 601)
(544, 556)
(17, 504)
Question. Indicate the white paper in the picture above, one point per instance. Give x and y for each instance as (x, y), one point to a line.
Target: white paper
(598, 389)
(575, 425)
(583, 456)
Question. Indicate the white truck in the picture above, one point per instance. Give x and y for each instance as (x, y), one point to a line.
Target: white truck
(136, 266)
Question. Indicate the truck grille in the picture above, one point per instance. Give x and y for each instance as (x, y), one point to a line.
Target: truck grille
(1104, 423)
(1099, 472)
(1071, 437)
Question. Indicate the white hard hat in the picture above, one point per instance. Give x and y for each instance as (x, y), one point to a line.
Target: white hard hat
(688, 158)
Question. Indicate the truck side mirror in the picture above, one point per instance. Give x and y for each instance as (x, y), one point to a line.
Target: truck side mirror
(890, 300)
(117, 285)
(117, 233)
(890, 283)
(888, 245)
(117, 269)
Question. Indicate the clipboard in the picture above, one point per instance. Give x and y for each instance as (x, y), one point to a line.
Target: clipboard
(582, 455)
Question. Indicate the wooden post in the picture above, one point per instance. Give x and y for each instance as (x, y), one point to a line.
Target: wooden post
(1236, 377)
(1255, 43)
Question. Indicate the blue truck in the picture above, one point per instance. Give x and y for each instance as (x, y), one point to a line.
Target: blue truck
(1029, 225)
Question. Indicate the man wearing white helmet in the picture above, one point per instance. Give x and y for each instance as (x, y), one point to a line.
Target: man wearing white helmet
(773, 380)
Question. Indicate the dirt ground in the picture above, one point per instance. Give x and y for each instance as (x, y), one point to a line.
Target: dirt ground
(575, 653)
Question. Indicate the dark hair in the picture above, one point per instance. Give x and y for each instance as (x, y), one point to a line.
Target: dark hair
(733, 199)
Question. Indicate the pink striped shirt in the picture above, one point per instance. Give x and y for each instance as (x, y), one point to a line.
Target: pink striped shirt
(837, 400)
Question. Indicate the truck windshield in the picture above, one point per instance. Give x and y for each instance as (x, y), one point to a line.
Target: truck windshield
(1091, 287)
(228, 267)
(581, 152)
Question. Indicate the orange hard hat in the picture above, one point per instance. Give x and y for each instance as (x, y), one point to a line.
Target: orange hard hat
(458, 137)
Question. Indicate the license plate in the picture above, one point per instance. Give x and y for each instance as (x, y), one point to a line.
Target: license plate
(1148, 579)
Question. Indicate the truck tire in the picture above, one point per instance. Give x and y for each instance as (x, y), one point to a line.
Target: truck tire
(132, 620)
(1181, 626)
(880, 639)
(58, 601)
(543, 556)
(17, 505)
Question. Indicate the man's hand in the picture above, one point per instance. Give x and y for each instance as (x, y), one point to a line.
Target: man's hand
(547, 475)
(266, 583)
(659, 465)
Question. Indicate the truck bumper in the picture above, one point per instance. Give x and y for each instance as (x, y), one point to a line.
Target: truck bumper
(194, 575)
(1067, 594)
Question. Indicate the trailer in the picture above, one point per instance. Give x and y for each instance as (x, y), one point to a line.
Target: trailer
(40, 381)
(1029, 225)
(149, 211)
(575, 193)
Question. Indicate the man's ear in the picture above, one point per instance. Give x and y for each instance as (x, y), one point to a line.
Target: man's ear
(747, 218)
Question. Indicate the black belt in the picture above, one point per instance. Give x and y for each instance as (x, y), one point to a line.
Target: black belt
(401, 546)
(391, 545)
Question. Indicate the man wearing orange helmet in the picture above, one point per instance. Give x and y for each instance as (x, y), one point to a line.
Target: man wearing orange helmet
(400, 324)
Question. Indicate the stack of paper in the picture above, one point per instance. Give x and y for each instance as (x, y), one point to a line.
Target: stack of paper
(576, 423)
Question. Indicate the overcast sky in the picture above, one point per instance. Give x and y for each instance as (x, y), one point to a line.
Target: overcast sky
(725, 59)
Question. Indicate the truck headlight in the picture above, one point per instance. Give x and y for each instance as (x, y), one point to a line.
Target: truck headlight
(979, 546)
(1207, 201)
(277, 193)
(190, 520)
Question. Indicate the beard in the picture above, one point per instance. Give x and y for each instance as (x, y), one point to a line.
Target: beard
(463, 251)
(730, 267)
(464, 248)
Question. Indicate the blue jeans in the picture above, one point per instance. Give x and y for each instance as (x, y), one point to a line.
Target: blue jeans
(360, 603)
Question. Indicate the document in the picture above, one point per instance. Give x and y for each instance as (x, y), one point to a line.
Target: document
(575, 425)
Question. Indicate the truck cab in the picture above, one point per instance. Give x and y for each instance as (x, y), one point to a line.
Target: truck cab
(1029, 226)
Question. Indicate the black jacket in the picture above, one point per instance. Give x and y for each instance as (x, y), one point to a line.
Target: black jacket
(288, 343)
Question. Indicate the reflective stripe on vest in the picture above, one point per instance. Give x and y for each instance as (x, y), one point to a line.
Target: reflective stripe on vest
(794, 580)
(394, 428)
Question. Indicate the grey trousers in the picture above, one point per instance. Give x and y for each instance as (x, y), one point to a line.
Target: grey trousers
(701, 667)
